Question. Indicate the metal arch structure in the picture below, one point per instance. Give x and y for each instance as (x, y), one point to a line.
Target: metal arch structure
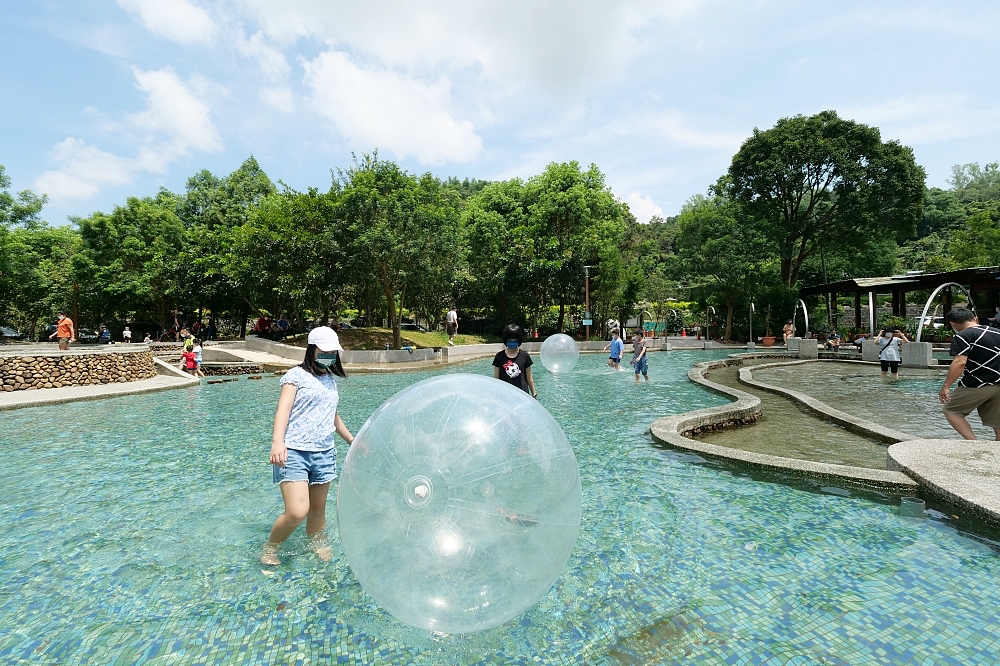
(805, 314)
(871, 313)
(927, 305)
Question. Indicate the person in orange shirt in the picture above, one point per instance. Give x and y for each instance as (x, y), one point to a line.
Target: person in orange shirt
(64, 331)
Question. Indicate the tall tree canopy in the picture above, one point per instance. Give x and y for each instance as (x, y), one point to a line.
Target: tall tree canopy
(824, 182)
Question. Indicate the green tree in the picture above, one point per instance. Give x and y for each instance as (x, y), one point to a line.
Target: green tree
(441, 257)
(821, 181)
(500, 251)
(42, 272)
(972, 183)
(129, 263)
(978, 244)
(22, 209)
(943, 211)
(571, 214)
(394, 225)
(715, 245)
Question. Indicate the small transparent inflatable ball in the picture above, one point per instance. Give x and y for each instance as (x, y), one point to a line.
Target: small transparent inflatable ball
(459, 503)
(559, 353)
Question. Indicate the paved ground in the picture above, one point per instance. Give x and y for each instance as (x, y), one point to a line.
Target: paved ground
(966, 473)
(18, 399)
(263, 358)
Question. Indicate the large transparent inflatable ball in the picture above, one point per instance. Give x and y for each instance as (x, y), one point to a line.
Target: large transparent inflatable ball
(559, 353)
(459, 503)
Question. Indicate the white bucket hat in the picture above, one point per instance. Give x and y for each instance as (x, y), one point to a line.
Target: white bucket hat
(325, 338)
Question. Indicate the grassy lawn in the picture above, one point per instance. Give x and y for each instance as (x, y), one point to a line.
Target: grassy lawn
(378, 338)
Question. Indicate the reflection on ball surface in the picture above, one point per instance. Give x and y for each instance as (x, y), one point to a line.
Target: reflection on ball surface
(459, 503)
(559, 353)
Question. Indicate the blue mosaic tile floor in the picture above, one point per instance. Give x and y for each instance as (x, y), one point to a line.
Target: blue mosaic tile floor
(131, 529)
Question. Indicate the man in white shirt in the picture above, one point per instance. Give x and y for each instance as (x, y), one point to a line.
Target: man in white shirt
(451, 325)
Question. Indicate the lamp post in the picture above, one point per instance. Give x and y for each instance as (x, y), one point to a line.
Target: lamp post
(586, 300)
(750, 345)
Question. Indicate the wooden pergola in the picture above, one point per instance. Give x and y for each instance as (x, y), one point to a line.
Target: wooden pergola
(982, 284)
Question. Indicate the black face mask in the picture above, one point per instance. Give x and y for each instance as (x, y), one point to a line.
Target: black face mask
(325, 360)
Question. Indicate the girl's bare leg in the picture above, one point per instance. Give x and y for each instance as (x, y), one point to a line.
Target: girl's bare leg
(296, 497)
(316, 521)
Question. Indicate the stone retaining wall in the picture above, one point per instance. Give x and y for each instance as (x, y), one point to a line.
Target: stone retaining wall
(217, 369)
(55, 370)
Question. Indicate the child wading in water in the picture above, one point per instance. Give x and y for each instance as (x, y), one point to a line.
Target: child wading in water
(512, 364)
(303, 455)
(616, 346)
(639, 357)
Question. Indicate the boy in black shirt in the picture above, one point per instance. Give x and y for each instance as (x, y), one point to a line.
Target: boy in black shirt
(513, 364)
(977, 360)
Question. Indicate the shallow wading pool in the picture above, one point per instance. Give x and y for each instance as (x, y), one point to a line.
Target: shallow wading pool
(132, 526)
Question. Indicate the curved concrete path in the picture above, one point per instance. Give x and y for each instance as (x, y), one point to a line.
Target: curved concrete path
(963, 473)
(671, 430)
(854, 423)
(966, 473)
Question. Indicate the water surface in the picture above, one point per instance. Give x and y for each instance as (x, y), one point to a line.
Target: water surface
(132, 526)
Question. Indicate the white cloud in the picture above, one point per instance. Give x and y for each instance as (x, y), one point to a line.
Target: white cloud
(174, 122)
(643, 207)
(179, 20)
(561, 46)
(381, 108)
(925, 119)
(272, 62)
(84, 170)
(671, 126)
(280, 98)
(174, 110)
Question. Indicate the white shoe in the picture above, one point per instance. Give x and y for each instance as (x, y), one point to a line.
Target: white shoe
(451, 344)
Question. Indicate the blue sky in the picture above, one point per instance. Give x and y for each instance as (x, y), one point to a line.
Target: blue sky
(106, 99)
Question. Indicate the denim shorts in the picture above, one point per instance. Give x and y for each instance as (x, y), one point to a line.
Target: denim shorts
(641, 366)
(312, 466)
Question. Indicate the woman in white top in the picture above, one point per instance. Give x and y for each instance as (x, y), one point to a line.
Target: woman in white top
(888, 350)
(303, 454)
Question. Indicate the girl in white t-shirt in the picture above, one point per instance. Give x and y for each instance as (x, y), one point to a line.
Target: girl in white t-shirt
(303, 455)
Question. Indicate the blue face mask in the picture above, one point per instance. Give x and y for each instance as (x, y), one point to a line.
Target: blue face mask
(325, 360)
(512, 344)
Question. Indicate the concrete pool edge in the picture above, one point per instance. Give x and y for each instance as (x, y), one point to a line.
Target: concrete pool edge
(670, 431)
(855, 423)
(959, 472)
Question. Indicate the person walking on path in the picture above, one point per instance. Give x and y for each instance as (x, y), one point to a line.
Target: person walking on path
(65, 332)
(639, 357)
(788, 331)
(616, 346)
(888, 350)
(303, 454)
(513, 364)
(451, 325)
(126, 335)
(976, 352)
